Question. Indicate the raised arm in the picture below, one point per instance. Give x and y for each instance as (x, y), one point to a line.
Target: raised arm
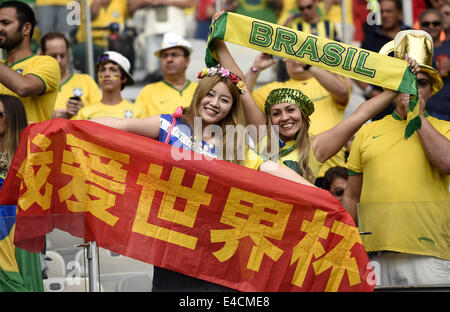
(253, 115)
(326, 144)
(23, 86)
(337, 86)
(147, 127)
(261, 62)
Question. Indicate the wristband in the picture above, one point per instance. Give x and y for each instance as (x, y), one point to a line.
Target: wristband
(253, 69)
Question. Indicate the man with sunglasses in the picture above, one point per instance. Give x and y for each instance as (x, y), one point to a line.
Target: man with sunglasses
(398, 189)
(309, 20)
(432, 21)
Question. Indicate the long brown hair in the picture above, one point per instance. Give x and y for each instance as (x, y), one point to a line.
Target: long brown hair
(235, 116)
(16, 121)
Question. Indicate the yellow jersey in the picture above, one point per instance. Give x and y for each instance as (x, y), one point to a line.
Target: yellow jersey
(115, 12)
(162, 98)
(124, 109)
(405, 200)
(39, 107)
(81, 85)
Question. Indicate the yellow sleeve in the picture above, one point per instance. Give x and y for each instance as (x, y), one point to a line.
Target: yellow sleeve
(47, 69)
(354, 163)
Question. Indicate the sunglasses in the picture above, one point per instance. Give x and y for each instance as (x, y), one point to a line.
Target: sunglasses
(338, 192)
(434, 23)
(423, 83)
(307, 7)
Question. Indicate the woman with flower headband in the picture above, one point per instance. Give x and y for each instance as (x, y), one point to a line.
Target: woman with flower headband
(289, 109)
(217, 102)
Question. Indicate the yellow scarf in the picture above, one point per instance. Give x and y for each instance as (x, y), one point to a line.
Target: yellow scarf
(374, 68)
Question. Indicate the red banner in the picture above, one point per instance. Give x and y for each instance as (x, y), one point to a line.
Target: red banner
(210, 219)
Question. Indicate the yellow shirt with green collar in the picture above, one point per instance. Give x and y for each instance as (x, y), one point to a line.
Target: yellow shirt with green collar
(124, 109)
(115, 12)
(38, 107)
(81, 85)
(327, 112)
(163, 98)
(405, 200)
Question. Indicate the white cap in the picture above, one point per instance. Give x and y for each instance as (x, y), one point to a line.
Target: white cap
(172, 40)
(120, 60)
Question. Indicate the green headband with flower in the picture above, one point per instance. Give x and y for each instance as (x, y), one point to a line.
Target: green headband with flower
(224, 73)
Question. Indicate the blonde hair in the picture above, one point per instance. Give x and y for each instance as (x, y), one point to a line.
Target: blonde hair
(235, 116)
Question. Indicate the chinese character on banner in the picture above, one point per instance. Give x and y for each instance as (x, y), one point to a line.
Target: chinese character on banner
(309, 245)
(33, 181)
(339, 258)
(255, 216)
(171, 189)
(94, 181)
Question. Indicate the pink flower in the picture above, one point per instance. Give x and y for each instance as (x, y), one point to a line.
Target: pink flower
(224, 72)
(212, 71)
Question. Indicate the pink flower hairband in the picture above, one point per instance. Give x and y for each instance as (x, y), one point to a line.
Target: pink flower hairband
(225, 73)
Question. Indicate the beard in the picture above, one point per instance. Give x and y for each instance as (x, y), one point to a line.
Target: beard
(11, 42)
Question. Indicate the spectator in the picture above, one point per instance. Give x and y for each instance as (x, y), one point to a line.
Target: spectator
(379, 35)
(445, 10)
(154, 18)
(335, 181)
(329, 92)
(311, 20)
(52, 16)
(75, 90)
(402, 186)
(113, 70)
(108, 14)
(432, 21)
(33, 78)
(28, 265)
(204, 10)
(175, 89)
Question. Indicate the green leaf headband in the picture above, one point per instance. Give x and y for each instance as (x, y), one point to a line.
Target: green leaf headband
(288, 95)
